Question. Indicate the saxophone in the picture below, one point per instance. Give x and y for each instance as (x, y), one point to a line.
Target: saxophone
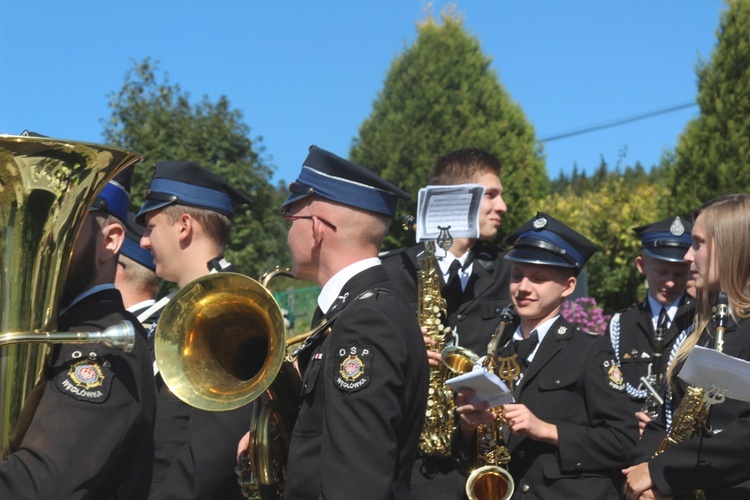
(691, 417)
(491, 480)
(439, 421)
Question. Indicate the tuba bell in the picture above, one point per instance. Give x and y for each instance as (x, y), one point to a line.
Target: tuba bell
(46, 188)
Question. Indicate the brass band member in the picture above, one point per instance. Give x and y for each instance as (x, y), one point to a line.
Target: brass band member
(91, 435)
(475, 296)
(643, 335)
(570, 427)
(365, 382)
(136, 277)
(716, 462)
(187, 214)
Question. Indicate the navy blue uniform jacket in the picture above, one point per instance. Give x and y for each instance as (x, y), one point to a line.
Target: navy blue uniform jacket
(365, 387)
(89, 441)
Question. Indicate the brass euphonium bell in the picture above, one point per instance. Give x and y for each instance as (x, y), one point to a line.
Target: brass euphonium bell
(221, 344)
(46, 188)
(220, 341)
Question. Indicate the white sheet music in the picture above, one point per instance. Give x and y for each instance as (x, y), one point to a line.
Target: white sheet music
(487, 386)
(456, 207)
(707, 367)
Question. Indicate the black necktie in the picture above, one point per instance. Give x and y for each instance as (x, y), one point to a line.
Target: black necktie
(663, 321)
(525, 347)
(452, 291)
(661, 328)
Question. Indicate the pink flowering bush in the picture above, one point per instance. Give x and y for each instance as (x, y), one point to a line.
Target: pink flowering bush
(584, 313)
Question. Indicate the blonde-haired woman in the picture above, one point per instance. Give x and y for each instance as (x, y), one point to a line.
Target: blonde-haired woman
(717, 462)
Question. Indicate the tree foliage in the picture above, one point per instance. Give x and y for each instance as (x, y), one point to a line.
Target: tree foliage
(712, 154)
(579, 182)
(157, 119)
(606, 215)
(439, 95)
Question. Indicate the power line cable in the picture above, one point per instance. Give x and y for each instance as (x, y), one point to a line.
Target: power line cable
(618, 121)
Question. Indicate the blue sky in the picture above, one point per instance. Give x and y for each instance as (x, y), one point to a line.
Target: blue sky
(306, 72)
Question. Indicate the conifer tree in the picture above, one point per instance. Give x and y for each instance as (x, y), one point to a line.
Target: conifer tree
(441, 94)
(713, 153)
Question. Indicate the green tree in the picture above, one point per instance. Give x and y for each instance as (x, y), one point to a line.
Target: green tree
(606, 215)
(441, 94)
(712, 154)
(157, 119)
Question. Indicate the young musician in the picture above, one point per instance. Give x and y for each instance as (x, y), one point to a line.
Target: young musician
(717, 462)
(476, 292)
(643, 335)
(187, 213)
(570, 428)
(365, 378)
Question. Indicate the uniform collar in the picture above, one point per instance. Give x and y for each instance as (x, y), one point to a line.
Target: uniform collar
(332, 289)
(91, 291)
(656, 306)
(143, 305)
(541, 332)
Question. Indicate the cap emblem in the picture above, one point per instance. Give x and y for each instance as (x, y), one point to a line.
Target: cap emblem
(677, 228)
(540, 223)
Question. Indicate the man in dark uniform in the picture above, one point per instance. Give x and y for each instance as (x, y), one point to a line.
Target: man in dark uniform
(643, 335)
(136, 277)
(92, 419)
(569, 425)
(483, 273)
(365, 378)
(483, 276)
(187, 214)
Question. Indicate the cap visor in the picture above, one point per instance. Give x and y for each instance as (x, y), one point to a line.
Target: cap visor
(667, 254)
(148, 206)
(294, 197)
(531, 255)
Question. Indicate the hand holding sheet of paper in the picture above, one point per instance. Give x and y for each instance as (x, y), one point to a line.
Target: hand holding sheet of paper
(486, 385)
(455, 206)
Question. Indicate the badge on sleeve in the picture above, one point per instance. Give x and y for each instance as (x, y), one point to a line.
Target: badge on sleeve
(85, 376)
(353, 367)
(613, 375)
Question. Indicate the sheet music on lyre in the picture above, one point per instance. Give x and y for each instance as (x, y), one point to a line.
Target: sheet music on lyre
(454, 207)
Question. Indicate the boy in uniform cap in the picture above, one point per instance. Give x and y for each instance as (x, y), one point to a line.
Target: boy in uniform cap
(569, 426)
(643, 335)
(136, 278)
(187, 213)
(365, 374)
(89, 425)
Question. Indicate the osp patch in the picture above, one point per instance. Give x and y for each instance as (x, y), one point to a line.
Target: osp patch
(85, 376)
(613, 375)
(353, 367)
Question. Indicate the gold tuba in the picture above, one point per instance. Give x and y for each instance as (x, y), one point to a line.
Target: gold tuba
(220, 344)
(46, 188)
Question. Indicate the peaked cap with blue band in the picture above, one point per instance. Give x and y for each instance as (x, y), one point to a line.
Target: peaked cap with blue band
(114, 198)
(131, 246)
(187, 183)
(335, 179)
(669, 239)
(547, 241)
